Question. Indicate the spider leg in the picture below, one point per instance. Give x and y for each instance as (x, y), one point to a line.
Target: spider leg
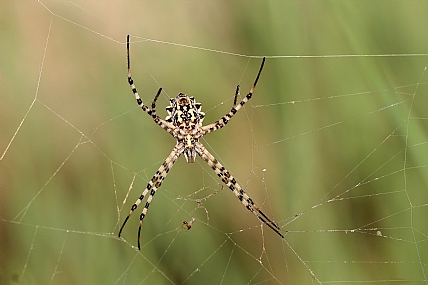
(230, 181)
(236, 96)
(154, 102)
(152, 112)
(152, 186)
(225, 119)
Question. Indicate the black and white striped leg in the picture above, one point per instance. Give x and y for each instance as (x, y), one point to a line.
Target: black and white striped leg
(233, 185)
(154, 103)
(236, 96)
(225, 119)
(152, 186)
(152, 112)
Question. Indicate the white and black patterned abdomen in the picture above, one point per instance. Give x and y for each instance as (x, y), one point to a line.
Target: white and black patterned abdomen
(184, 112)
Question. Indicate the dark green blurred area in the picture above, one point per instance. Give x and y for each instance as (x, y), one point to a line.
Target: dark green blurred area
(333, 146)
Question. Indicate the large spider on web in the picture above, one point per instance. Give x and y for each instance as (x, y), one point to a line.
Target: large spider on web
(184, 123)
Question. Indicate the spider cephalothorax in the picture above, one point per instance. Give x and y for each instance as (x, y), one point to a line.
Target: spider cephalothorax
(184, 123)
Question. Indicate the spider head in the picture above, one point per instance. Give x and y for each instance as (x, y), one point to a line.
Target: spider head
(184, 112)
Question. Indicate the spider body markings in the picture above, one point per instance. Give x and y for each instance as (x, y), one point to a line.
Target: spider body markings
(184, 123)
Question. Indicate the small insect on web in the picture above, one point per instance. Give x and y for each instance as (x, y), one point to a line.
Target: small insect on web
(184, 123)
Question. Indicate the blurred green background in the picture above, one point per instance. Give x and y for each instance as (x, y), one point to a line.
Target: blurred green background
(334, 148)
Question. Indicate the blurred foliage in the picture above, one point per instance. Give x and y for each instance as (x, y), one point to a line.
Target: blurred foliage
(333, 147)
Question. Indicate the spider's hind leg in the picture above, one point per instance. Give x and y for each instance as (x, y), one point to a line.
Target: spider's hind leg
(233, 185)
(152, 186)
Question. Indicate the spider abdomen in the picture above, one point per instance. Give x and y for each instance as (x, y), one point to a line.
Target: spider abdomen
(184, 111)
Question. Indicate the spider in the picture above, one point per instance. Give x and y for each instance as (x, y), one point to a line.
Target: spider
(184, 123)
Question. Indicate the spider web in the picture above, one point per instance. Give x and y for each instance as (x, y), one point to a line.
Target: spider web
(333, 145)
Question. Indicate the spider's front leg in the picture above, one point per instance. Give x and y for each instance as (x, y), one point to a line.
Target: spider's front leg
(152, 186)
(152, 112)
(233, 185)
(225, 119)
